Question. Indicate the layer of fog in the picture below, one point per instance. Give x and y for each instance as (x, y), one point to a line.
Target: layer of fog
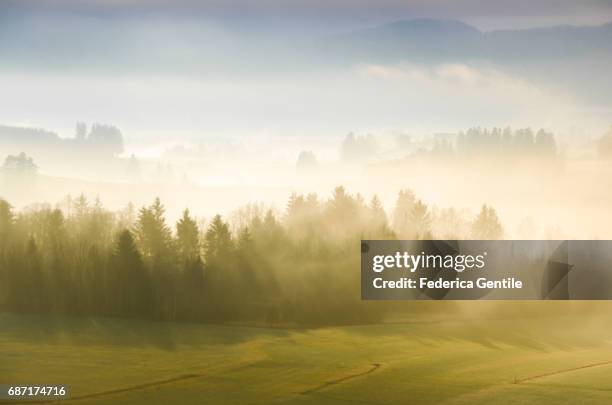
(215, 145)
(365, 98)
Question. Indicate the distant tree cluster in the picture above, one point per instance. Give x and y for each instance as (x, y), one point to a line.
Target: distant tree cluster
(498, 141)
(10, 135)
(20, 165)
(474, 143)
(306, 160)
(107, 139)
(356, 148)
(299, 267)
(104, 140)
(18, 173)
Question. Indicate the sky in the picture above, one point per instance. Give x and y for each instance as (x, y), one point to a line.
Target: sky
(341, 14)
(372, 97)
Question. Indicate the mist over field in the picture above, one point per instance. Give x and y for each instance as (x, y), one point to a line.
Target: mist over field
(393, 120)
(217, 113)
(185, 185)
(534, 179)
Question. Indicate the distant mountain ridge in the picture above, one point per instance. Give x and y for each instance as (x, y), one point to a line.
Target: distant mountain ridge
(426, 26)
(125, 44)
(576, 57)
(443, 38)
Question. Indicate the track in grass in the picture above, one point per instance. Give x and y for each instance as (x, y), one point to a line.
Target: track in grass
(568, 370)
(111, 392)
(138, 387)
(375, 367)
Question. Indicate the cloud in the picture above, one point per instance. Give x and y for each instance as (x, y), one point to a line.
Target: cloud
(455, 94)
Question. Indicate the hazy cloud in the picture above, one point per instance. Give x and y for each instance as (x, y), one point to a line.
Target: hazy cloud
(375, 98)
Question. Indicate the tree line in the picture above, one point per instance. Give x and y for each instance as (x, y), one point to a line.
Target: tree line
(507, 142)
(297, 267)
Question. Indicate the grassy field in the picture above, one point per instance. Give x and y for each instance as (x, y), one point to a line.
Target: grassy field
(520, 359)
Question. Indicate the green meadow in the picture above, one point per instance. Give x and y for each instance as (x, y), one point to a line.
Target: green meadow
(430, 359)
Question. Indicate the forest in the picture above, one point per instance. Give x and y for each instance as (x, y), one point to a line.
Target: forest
(295, 267)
